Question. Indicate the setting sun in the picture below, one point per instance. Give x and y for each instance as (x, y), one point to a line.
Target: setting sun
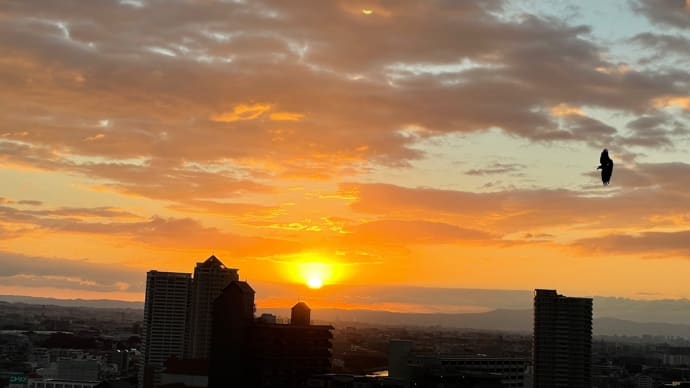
(314, 282)
(314, 274)
(313, 269)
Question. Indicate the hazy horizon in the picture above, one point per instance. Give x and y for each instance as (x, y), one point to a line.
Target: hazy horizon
(424, 300)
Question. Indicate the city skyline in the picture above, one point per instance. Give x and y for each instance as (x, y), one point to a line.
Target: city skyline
(374, 144)
(178, 315)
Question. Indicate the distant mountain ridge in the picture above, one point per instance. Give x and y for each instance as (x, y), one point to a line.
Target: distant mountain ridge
(92, 303)
(620, 327)
(516, 320)
(498, 320)
(519, 321)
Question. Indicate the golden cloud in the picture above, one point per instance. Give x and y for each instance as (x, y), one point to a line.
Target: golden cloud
(682, 102)
(566, 110)
(286, 116)
(95, 137)
(617, 69)
(242, 112)
(246, 112)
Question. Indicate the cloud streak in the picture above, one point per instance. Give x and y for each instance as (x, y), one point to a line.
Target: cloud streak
(34, 271)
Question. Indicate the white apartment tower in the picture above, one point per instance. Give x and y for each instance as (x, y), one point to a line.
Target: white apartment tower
(165, 322)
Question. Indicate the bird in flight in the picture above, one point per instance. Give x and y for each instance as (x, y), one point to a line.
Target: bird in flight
(606, 167)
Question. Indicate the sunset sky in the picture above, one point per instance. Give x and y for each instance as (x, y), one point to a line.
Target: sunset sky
(435, 144)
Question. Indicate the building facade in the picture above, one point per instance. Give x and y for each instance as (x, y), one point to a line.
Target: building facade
(210, 278)
(57, 383)
(165, 328)
(416, 370)
(257, 353)
(192, 373)
(562, 345)
(332, 380)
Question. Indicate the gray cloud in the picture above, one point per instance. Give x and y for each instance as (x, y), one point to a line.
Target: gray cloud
(654, 131)
(11, 213)
(496, 168)
(34, 271)
(30, 202)
(645, 193)
(170, 232)
(664, 44)
(673, 13)
(647, 243)
(405, 232)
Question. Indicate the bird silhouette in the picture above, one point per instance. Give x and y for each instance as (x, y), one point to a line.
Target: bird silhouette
(606, 167)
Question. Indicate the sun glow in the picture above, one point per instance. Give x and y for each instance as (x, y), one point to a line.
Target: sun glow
(315, 274)
(314, 282)
(315, 270)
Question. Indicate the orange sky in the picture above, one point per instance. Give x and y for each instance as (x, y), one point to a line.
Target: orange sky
(435, 144)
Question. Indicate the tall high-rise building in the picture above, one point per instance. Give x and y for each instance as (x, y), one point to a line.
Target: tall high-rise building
(210, 278)
(562, 347)
(165, 322)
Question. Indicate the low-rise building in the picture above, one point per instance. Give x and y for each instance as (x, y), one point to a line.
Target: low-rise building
(426, 370)
(333, 380)
(58, 383)
(186, 372)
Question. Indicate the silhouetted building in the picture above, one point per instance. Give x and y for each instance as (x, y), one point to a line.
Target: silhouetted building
(452, 371)
(210, 278)
(252, 353)
(300, 314)
(78, 370)
(332, 380)
(121, 359)
(562, 347)
(165, 322)
(56, 383)
(119, 383)
(185, 373)
(268, 318)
